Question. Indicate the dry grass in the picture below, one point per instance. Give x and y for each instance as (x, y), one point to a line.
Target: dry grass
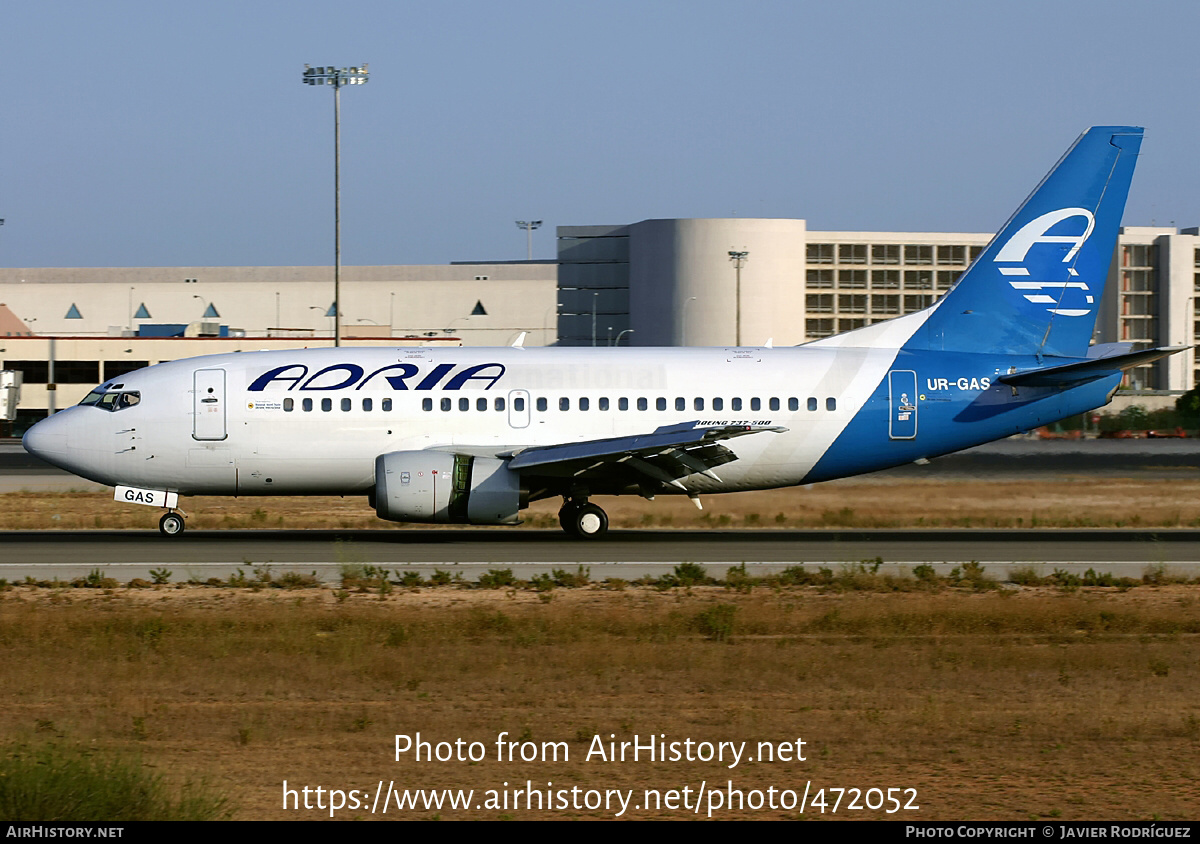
(1029, 703)
(855, 502)
(1012, 704)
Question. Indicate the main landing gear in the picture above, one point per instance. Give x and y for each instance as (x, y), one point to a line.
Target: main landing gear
(171, 524)
(584, 520)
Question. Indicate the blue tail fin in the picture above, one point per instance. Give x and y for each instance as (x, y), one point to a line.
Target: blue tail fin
(1036, 288)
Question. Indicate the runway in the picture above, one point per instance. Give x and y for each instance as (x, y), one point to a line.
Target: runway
(624, 554)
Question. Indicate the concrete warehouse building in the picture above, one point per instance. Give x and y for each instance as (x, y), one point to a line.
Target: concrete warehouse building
(708, 282)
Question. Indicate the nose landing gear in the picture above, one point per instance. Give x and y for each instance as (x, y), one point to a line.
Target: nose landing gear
(171, 524)
(583, 520)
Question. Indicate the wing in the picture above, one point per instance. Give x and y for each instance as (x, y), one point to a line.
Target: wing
(646, 461)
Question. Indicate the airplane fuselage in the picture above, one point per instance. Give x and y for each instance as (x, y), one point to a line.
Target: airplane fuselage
(313, 422)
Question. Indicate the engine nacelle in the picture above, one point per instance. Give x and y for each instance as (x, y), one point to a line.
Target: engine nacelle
(435, 486)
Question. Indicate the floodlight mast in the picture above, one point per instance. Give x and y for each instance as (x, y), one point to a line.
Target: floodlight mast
(529, 226)
(739, 258)
(337, 77)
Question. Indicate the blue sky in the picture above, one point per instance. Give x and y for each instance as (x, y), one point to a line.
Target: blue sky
(164, 133)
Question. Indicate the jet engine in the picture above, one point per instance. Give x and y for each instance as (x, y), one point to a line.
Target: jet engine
(436, 486)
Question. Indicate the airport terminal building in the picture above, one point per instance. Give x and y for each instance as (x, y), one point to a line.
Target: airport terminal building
(696, 282)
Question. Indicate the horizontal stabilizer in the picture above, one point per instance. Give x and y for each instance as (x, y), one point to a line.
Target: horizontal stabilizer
(1069, 374)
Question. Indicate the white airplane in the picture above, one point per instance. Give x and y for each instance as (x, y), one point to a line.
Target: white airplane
(472, 435)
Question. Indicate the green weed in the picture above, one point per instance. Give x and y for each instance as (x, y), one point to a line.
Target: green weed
(57, 784)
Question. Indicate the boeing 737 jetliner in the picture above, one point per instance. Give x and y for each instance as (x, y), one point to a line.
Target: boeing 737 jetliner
(472, 435)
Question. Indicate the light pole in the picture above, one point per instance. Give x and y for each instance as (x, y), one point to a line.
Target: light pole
(317, 308)
(738, 259)
(689, 301)
(337, 77)
(617, 342)
(594, 297)
(529, 226)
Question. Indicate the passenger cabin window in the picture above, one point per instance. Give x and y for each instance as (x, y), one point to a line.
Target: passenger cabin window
(518, 404)
(289, 405)
(622, 404)
(307, 405)
(346, 405)
(793, 404)
(604, 404)
(367, 405)
(584, 404)
(542, 405)
(774, 404)
(680, 404)
(445, 405)
(426, 404)
(718, 404)
(831, 404)
(326, 404)
(812, 403)
(641, 404)
(386, 405)
(481, 404)
(564, 404)
(756, 404)
(735, 404)
(660, 404)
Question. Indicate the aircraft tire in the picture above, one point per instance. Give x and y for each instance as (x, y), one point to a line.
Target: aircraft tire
(566, 517)
(171, 524)
(590, 522)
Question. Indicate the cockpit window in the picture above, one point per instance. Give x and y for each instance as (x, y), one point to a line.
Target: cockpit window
(113, 401)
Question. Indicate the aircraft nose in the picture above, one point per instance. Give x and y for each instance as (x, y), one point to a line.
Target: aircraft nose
(47, 439)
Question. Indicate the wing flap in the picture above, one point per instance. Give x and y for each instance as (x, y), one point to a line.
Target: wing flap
(663, 456)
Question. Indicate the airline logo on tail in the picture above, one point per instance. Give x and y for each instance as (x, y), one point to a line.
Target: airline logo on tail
(1016, 251)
